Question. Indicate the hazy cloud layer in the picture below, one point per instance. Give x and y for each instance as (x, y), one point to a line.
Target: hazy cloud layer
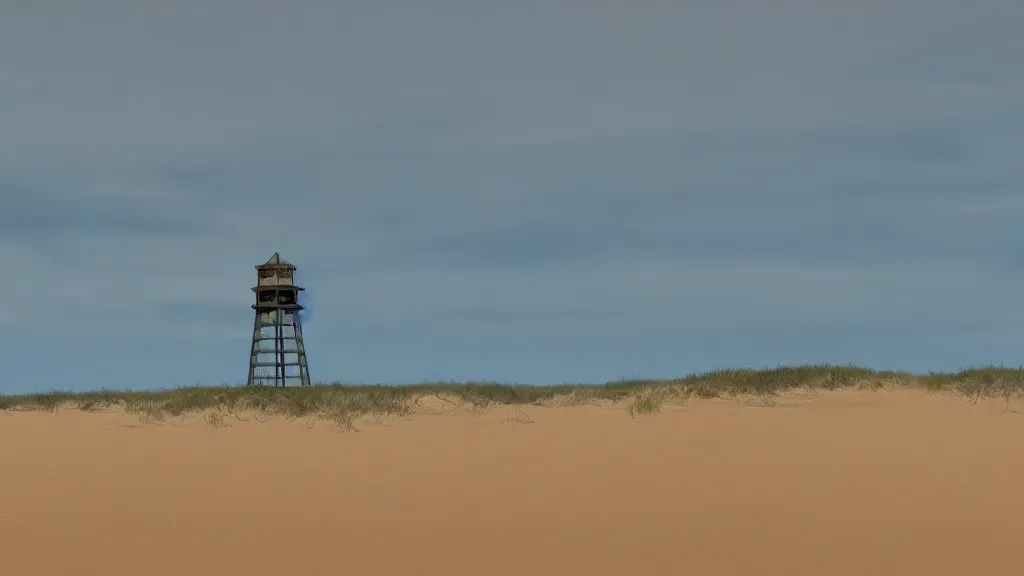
(539, 192)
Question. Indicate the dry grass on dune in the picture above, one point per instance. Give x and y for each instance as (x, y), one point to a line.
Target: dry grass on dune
(343, 404)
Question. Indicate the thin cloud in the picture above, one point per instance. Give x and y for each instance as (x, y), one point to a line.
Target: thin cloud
(30, 213)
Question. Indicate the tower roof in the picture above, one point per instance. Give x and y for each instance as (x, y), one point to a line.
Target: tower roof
(276, 261)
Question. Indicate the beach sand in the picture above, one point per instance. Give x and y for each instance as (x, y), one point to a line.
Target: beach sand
(841, 483)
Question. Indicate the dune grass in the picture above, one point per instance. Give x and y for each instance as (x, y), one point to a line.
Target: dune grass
(342, 404)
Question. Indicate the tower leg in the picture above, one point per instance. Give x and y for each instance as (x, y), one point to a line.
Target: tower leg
(280, 368)
(300, 347)
(254, 350)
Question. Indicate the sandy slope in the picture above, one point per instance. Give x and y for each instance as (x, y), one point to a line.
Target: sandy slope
(865, 483)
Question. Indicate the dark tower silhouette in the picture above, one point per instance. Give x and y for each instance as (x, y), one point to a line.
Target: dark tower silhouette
(278, 354)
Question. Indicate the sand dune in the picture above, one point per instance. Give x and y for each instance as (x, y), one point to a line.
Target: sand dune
(865, 483)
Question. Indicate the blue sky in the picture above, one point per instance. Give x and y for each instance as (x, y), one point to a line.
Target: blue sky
(525, 191)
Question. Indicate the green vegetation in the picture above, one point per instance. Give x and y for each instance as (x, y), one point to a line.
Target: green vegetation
(342, 404)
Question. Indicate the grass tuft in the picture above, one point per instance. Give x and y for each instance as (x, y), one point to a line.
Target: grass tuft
(517, 415)
(646, 401)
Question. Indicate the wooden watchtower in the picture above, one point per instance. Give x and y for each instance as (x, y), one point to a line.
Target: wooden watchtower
(278, 354)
